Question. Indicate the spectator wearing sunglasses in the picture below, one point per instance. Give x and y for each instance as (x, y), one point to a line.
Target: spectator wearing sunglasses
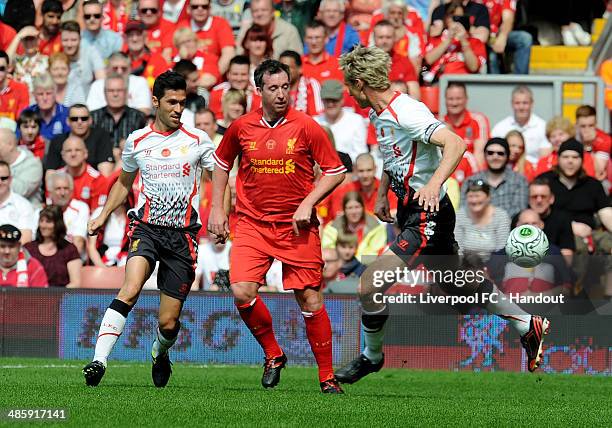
(106, 42)
(509, 189)
(97, 141)
(159, 31)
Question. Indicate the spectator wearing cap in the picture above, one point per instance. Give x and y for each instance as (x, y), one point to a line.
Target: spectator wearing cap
(105, 41)
(508, 189)
(348, 128)
(59, 258)
(14, 96)
(138, 91)
(143, 62)
(305, 92)
(14, 209)
(527, 123)
(19, 269)
(25, 167)
(481, 226)
(579, 195)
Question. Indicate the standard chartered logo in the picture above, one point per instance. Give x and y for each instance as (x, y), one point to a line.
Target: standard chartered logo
(272, 166)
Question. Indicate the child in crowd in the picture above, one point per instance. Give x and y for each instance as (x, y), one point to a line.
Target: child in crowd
(29, 127)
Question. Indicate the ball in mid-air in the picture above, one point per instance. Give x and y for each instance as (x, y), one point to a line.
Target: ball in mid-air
(526, 246)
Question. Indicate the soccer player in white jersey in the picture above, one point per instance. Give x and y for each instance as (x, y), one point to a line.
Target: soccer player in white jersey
(419, 154)
(164, 223)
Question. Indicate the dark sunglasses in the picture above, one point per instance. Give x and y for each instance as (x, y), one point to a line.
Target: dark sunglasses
(92, 15)
(77, 118)
(200, 6)
(495, 152)
(153, 10)
(6, 177)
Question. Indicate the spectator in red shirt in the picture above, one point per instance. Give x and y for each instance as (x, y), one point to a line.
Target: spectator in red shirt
(159, 31)
(186, 44)
(115, 15)
(237, 78)
(317, 63)
(143, 62)
(214, 33)
(7, 34)
(18, 268)
(29, 128)
(305, 92)
(89, 184)
(401, 67)
(473, 127)
(14, 96)
(595, 141)
(517, 159)
(48, 34)
(455, 51)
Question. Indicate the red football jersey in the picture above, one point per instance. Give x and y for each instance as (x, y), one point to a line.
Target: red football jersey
(215, 35)
(326, 69)
(452, 60)
(402, 69)
(89, 187)
(13, 99)
(602, 144)
(160, 36)
(474, 126)
(276, 162)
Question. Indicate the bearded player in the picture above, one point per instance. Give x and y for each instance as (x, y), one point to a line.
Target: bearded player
(419, 154)
(275, 199)
(170, 158)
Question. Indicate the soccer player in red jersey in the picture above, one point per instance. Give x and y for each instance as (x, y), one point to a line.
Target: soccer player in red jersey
(278, 148)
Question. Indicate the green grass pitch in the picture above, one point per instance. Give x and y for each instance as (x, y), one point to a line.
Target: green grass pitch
(225, 396)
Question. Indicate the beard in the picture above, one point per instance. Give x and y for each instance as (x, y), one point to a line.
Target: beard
(498, 170)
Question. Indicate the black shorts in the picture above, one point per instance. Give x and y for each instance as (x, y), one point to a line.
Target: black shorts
(176, 250)
(425, 233)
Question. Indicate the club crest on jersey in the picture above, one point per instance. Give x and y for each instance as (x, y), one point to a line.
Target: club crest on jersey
(270, 144)
(252, 146)
(85, 193)
(290, 146)
(134, 246)
(184, 149)
(166, 152)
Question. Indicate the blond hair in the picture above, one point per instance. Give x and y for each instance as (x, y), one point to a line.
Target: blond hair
(559, 122)
(370, 65)
(520, 162)
(182, 35)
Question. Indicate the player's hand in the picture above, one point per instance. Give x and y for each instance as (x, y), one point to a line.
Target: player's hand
(429, 197)
(301, 218)
(94, 225)
(382, 210)
(218, 225)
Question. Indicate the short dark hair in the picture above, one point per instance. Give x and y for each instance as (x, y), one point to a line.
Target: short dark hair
(315, 23)
(54, 214)
(185, 67)
(28, 116)
(585, 111)
(206, 110)
(78, 105)
(383, 23)
(168, 80)
(240, 60)
(292, 54)
(52, 6)
(456, 85)
(270, 67)
(72, 26)
(541, 181)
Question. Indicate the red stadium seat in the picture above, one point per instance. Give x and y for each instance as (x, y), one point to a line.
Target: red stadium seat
(430, 96)
(99, 277)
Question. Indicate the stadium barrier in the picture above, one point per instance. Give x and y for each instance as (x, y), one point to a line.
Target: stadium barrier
(64, 324)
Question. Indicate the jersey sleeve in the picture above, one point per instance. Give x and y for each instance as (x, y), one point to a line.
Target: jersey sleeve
(323, 151)
(229, 148)
(127, 157)
(207, 150)
(419, 122)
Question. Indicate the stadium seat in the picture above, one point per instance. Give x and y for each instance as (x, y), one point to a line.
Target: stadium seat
(430, 96)
(559, 59)
(597, 29)
(99, 277)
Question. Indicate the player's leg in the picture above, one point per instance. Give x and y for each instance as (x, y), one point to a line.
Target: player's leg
(319, 333)
(167, 333)
(137, 271)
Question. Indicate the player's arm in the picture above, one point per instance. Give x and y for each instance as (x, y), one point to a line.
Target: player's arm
(453, 148)
(382, 208)
(324, 187)
(119, 192)
(217, 221)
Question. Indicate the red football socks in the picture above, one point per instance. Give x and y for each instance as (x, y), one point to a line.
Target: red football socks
(256, 316)
(319, 332)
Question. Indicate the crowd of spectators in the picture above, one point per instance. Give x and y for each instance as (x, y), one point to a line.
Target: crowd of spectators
(76, 79)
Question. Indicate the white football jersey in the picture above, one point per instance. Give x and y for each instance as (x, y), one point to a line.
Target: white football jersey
(403, 130)
(170, 167)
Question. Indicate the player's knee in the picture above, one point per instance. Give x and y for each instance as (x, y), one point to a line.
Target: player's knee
(310, 303)
(129, 293)
(244, 292)
(168, 323)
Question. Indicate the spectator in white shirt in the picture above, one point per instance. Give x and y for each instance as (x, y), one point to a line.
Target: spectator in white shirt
(14, 209)
(139, 93)
(347, 127)
(527, 123)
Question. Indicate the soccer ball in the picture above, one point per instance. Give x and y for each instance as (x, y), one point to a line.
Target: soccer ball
(526, 246)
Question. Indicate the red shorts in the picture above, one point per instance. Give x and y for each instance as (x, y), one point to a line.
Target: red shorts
(257, 244)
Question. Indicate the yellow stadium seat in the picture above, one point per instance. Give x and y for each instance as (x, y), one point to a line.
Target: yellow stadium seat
(559, 59)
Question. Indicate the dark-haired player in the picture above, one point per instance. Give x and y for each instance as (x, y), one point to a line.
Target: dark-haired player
(278, 147)
(164, 223)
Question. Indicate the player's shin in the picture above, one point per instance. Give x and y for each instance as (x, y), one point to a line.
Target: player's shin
(110, 329)
(164, 340)
(373, 327)
(504, 307)
(319, 333)
(257, 318)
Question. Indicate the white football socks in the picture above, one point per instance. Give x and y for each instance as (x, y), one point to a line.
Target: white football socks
(510, 311)
(162, 344)
(110, 329)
